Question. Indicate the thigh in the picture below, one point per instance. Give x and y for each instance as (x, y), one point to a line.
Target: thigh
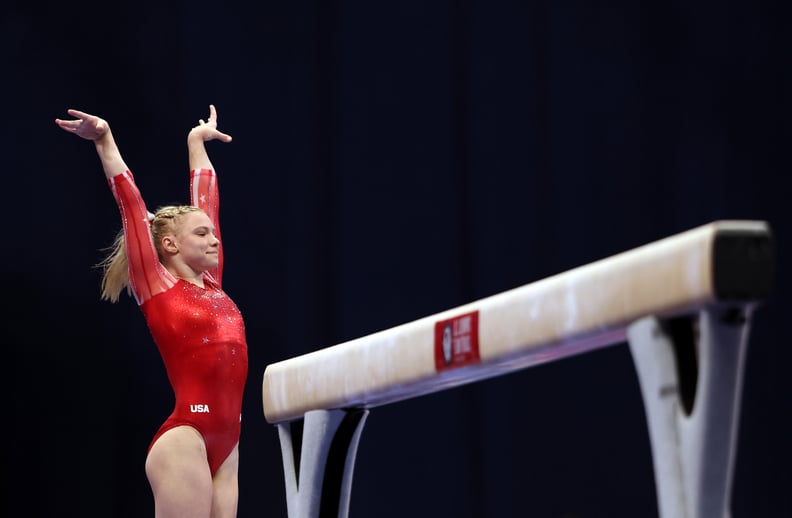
(179, 475)
(226, 487)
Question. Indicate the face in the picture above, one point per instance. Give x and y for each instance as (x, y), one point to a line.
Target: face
(196, 242)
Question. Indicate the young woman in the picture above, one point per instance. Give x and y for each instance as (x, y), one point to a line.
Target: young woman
(172, 262)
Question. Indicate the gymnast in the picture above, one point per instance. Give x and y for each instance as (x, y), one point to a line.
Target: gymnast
(172, 263)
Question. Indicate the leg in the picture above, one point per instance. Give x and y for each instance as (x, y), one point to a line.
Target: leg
(179, 475)
(225, 495)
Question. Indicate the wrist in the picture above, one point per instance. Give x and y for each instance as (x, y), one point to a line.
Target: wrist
(195, 137)
(104, 141)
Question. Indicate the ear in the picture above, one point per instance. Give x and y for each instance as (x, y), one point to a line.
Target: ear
(169, 244)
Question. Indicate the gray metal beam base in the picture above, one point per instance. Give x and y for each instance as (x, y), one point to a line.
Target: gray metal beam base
(318, 460)
(691, 370)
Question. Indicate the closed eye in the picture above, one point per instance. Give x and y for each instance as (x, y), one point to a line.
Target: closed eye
(202, 231)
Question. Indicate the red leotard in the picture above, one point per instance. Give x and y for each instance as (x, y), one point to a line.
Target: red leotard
(199, 331)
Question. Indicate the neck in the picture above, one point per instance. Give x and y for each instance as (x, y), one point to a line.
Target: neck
(198, 281)
(192, 278)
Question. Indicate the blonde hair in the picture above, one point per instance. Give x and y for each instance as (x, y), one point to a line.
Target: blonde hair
(115, 265)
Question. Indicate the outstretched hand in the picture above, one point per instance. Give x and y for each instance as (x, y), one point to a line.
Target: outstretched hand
(87, 126)
(207, 130)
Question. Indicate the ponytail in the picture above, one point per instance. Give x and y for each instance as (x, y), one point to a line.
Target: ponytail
(115, 268)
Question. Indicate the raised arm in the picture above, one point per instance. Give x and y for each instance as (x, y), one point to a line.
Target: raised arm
(91, 127)
(147, 276)
(203, 178)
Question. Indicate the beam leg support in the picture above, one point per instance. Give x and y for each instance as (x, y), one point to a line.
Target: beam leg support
(318, 460)
(690, 370)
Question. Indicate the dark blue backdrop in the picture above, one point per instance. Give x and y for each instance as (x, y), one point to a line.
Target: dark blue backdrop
(390, 161)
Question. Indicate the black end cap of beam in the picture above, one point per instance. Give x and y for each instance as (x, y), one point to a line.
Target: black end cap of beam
(744, 264)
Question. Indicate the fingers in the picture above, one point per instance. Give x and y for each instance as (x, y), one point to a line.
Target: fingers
(219, 135)
(68, 125)
(80, 118)
(79, 114)
(84, 125)
(212, 119)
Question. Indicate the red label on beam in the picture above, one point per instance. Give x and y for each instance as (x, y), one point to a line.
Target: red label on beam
(457, 342)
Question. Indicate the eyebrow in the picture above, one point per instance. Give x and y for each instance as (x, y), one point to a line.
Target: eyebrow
(204, 227)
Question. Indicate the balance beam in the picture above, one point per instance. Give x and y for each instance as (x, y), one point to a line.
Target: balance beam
(713, 275)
